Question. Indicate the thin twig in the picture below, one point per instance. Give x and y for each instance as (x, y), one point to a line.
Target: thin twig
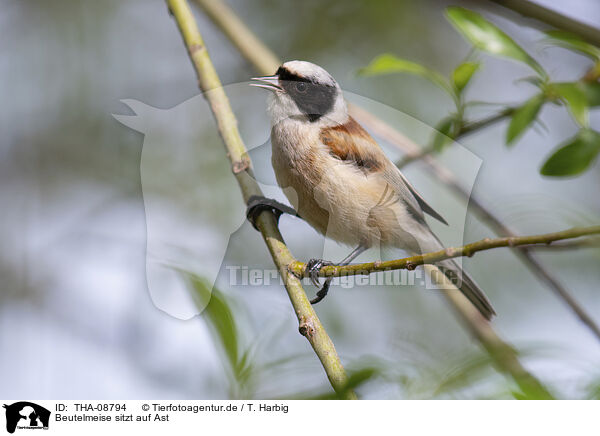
(473, 126)
(309, 324)
(410, 158)
(593, 242)
(410, 263)
(551, 17)
(432, 165)
(504, 355)
(418, 153)
(414, 154)
(465, 129)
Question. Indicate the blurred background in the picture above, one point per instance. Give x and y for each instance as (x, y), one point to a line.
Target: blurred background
(76, 317)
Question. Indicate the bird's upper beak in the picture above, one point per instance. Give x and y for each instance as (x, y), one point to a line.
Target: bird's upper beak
(268, 82)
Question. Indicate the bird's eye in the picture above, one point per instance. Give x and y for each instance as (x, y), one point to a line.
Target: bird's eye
(301, 86)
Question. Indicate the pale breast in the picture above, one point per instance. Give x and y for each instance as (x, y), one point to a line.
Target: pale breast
(298, 171)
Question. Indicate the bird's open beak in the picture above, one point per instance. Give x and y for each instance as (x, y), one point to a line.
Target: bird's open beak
(268, 82)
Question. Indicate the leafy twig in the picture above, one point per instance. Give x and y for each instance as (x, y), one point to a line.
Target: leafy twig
(432, 165)
(310, 325)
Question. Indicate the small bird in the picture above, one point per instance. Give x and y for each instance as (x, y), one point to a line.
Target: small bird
(343, 183)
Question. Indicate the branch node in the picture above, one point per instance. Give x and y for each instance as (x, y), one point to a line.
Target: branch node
(292, 269)
(306, 328)
(240, 165)
(195, 48)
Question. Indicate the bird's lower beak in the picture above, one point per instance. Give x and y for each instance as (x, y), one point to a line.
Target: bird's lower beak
(268, 82)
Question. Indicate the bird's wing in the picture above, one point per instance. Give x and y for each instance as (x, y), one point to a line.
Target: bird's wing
(400, 183)
(351, 143)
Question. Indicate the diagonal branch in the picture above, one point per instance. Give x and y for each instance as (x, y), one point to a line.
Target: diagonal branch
(309, 324)
(551, 17)
(410, 263)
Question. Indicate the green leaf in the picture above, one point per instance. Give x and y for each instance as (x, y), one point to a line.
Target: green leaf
(388, 64)
(444, 133)
(574, 97)
(355, 379)
(573, 42)
(220, 318)
(523, 117)
(466, 373)
(574, 156)
(359, 377)
(487, 37)
(592, 92)
(463, 73)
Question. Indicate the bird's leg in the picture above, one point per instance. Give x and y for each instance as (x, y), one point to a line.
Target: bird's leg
(325, 289)
(258, 204)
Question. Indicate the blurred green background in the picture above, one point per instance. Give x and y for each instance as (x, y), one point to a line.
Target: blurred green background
(76, 318)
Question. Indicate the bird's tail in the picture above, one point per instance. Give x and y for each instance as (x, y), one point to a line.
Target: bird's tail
(467, 286)
(459, 278)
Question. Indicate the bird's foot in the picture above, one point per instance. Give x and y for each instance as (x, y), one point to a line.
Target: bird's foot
(258, 204)
(312, 269)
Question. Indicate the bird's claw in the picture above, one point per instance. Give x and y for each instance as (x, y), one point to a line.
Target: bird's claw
(312, 268)
(257, 204)
(322, 292)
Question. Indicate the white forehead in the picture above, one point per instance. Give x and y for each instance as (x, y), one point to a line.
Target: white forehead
(309, 70)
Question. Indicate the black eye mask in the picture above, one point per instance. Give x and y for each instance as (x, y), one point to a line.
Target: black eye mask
(313, 99)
